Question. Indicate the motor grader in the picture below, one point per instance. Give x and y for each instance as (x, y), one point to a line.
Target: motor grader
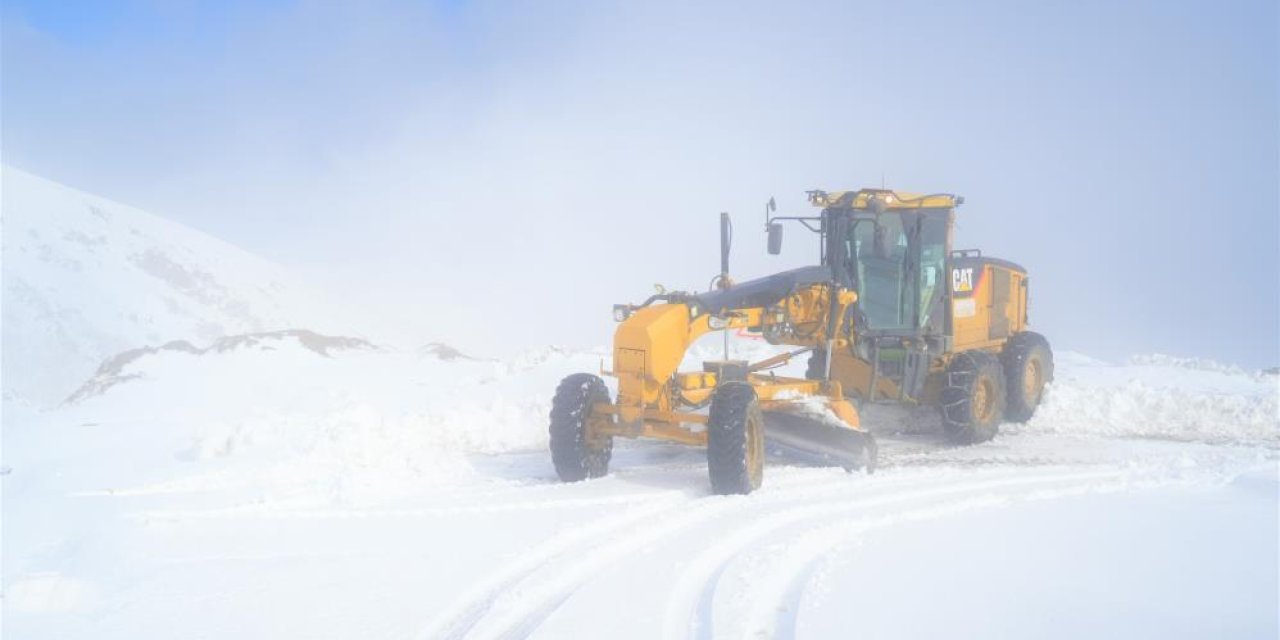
(891, 314)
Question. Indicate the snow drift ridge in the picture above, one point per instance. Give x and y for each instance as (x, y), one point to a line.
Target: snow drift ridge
(112, 371)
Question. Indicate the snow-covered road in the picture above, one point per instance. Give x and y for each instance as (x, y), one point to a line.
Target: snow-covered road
(384, 495)
(680, 564)
(647, 552)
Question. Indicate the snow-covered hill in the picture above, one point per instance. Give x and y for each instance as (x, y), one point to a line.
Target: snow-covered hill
(85, 278)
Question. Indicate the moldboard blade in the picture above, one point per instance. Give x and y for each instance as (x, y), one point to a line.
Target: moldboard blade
(833, 444)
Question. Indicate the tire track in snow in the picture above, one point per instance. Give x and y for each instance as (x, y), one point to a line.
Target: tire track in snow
(689, 609)
(561, 581)
(518, 598)
(462, 617)
(544, 599)
(776, 602)
(821, 544)
(568, 562)
(787, 608)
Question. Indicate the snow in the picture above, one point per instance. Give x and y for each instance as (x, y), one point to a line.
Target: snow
(86, 278)
(413, 497)
(1130, 562)
(266, 481)
(1159, 397)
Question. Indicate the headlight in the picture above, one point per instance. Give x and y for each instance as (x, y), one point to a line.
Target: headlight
(621, 312)
(717, 322)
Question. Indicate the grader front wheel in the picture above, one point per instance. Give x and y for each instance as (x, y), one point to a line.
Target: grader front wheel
(735, 440)
(576, 455)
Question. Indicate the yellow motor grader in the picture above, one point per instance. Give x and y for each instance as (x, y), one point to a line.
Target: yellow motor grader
(890, 314)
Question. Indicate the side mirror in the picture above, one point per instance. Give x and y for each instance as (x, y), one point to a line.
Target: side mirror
(775, 238)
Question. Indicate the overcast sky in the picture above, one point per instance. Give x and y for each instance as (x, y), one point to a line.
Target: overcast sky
(496, 175)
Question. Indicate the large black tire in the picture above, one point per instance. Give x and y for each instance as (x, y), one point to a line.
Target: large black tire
(577, 457)
(735, 440)
(817, 367)
(973, 400)
(1028, 366)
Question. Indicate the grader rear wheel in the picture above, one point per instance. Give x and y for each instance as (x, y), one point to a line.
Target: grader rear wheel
(973, 400)
(1028, 366)
(735, 440)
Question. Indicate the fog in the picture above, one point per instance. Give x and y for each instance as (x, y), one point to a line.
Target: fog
(496, 175)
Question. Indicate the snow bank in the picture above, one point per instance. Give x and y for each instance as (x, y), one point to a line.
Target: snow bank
(281, 420)
(1195, 364)
(276, 418)
(1160, 397)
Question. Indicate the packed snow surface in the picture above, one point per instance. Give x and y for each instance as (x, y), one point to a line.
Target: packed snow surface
(270, 489)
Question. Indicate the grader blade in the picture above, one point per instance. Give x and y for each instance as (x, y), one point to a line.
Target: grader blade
(821, 437)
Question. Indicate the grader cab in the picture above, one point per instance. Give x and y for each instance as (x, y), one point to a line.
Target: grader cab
(890, 314)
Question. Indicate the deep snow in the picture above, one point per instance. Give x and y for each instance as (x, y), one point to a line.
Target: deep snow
(270, 490)
(191, 450)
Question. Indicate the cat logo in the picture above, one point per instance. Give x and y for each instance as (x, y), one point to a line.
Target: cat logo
(962, 280)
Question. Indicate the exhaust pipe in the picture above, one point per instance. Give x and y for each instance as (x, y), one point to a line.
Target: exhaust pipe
(726, 242)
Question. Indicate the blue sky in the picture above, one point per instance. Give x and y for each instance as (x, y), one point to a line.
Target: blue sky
(474, 158)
